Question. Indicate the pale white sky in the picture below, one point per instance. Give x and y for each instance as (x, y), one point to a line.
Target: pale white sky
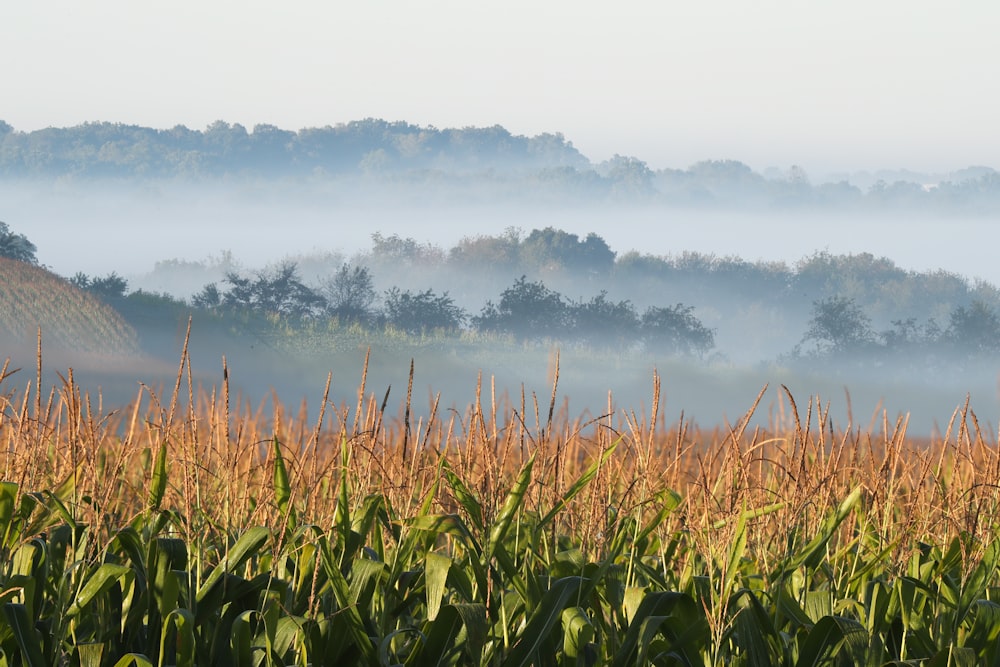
(845, 85)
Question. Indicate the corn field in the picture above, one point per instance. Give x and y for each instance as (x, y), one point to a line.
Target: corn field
(32, 298)
(193, 529)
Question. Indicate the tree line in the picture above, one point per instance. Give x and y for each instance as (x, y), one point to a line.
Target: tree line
(526, 310)
(855, 307)
(400, 154)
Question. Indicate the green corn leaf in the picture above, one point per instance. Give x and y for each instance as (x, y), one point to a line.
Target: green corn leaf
(365, 576)
(436, 567)
(178, 627)
(373, 509)
(974, 587)
(241, 638)
(458, 630)
(56, 502)
(473, 508)
(27, 638)
(876, 607)
(127, 541)
(667, 501)
(954, 656)
(348, 613)
(754, 628)
(734, 557)
(248, 545)
(453, 526)
(90, 654)
(97, 584)
(288, 633)
(818, 604)
(577, 486)
(342, 517)
(676, 615)
(8, 498)
(634, 595)
(385, 647)
(834, 636)
(545, 617)
(31, 561)
(134, 660)
(282, 487)
(158, 479)
(578, 631)
(984, 633)
(812, 553)
(511, 506)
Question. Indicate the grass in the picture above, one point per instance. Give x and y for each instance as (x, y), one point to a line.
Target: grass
(191, 528)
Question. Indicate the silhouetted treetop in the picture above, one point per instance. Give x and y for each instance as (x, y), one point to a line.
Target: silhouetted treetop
(16, 246)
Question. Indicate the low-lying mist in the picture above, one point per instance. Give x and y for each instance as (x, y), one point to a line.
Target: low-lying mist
(174, 238)
(98, 227)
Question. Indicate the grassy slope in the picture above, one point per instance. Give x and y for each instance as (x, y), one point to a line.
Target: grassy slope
(74, 324)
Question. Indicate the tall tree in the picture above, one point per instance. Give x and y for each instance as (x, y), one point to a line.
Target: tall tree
(350, 294)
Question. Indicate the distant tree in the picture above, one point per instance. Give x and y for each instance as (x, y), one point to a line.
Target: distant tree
(527, 310)
(974, 330)
(839, 326)
(675, 330)
(395, 250)
(350, 294)
(905, 335)
(422, 312)
(601, 321)
(16, 246)
(552, 248)
(487, 253)
(209, 297)
(280, 292)
(110, 288)
(630, 177)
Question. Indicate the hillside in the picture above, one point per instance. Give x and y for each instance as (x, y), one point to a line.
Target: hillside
(71, 320)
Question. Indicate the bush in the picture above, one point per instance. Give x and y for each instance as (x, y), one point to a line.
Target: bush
(527, 310)
(675, 330)
(604, 322)
(421, 312)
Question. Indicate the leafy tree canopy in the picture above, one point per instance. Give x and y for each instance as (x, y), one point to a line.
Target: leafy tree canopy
(526, 309)
(838, 325)
(350, 294)
(16, 246)
(422, 312)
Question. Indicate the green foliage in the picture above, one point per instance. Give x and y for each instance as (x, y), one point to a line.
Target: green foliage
(110, 288)
(675, 330)
(601, 321)
(278, 292)
(974, 331)
(550, 248)
(16, 246)
(526, 309)
(422, 312)
(839, 326)
(350, 294)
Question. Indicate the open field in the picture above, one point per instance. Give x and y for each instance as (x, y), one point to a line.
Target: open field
(192, 529)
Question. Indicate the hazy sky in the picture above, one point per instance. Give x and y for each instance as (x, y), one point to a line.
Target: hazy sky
(849, 84)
